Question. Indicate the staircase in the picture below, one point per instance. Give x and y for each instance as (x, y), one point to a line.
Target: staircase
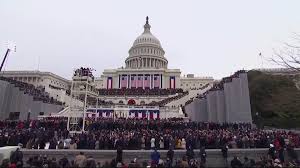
(191, 94)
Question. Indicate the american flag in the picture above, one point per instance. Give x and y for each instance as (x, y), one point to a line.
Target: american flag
(172, 82)
(109, 83)
(131, 114)
(140, 81)
(154, 114)
(147, 81)
(124, 81)
(156, 81)
(133, 81)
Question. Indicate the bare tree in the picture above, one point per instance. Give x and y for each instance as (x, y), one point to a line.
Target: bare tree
(289, 55)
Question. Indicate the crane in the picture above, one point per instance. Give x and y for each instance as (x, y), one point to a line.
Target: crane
(2, 64)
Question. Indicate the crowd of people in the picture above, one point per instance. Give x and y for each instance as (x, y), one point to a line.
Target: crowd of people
(38, 94)
(136, 134)
(107, 133)
(179, 96)
(168, 100)
(84, 72)
(139, 92)
(191, 159)
(217, 86)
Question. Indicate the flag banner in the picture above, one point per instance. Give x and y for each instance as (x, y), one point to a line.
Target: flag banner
(99, 112)
(151, 115)
(144, 114)
(172, 82)
(133, 81)
(124, 81)
(155, 114)
(89, 115)
(147, 81)
(131, 114)
(107, 113)
(156, 81)
(109, 83)
(139, 81)
(140, 114)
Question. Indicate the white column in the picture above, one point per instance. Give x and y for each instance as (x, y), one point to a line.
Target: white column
(147, 62)
(127, 81)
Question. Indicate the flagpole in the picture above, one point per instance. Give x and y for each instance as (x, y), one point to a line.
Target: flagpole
(262, 61)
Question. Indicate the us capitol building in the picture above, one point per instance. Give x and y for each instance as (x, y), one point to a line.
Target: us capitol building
(147, 67)
(144, 88)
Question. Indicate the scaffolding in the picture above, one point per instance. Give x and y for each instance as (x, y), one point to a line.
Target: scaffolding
(82, 88)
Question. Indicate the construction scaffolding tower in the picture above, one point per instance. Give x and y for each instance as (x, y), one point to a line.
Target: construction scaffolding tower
(82, 89)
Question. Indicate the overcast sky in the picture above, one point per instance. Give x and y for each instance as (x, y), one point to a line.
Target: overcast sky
(207, 38)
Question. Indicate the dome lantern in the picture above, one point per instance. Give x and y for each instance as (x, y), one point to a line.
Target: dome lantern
(147, 26)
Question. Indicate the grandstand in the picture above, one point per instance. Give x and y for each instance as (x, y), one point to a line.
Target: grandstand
(19, 100)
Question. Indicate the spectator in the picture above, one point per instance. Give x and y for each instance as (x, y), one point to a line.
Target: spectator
(161, 143)
(17, 157)
(152, 143)
(236, 163)
(190, 154)
(90, 162)
(64, 162)
(272, 152)
(183, 143)
(155, 156)
(247, 163)
(225, 152)
(119, 155)
(170, 155)
(184, 163)
(203, 155)
(73, 145)
(80, 160)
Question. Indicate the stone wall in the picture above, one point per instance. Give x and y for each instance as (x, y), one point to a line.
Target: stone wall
(214, 156)
(231, 104)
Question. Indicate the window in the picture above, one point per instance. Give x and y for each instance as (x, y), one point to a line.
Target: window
(41, 113)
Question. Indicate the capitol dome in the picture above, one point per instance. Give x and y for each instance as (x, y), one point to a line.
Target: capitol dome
(146, 52)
